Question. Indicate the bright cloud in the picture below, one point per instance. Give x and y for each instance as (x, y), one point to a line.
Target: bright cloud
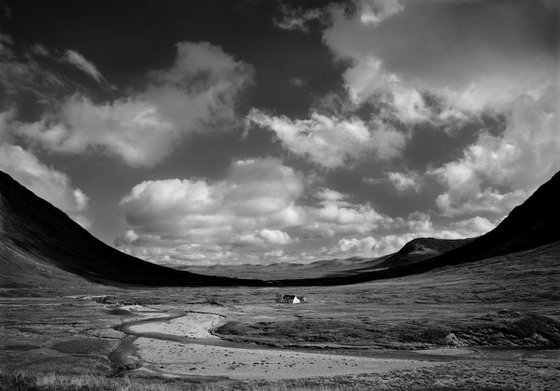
(253, 204)
(415, 62)
(484, 69)
(257, 214)
(200, 88)
(523, 157)
(258, 206)
(332, 142)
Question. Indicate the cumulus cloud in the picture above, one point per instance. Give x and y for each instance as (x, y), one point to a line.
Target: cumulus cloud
(46, 182)
(264, 236)
(416, 63)
(404, 181)
(259, 213)
(258, 207)
(336, 215)
(253, 204)
(333, 142)
(76, 59)
(482, 69)
(498, 172)
(356, 246)
(368, 80)
(200, 88)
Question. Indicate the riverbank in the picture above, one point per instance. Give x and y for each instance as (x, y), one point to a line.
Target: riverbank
(181, 345)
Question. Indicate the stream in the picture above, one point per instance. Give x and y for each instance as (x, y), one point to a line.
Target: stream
(160, 345)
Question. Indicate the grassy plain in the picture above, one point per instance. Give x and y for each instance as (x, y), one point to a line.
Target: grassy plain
(504, 312)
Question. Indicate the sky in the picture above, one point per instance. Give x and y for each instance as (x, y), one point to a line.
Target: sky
(262, 131)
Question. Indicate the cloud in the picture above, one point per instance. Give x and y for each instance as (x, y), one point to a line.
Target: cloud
(329, 195)
(417, 65)
(405, 181)
(46, 182)
(264, 236)
(259, 206)
(356, 246)
(402, 181)
(296, 19)
(333, 142)
(40, 50)
(5, 39)
(417, 225)
(260, 213)
(498, 172)
(21, 73)
(76, 59)
(198, 90)
(336, 215)
(373, 12)
(420, 48)
(254, 203)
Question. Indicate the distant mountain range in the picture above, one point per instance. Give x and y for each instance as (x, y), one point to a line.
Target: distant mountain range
(41, 246)
(414, 251)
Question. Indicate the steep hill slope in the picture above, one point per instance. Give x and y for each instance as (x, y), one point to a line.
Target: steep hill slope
(38, 242)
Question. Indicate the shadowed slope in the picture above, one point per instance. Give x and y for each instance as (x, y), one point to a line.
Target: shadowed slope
(420, 249)
(37, 241)
(532, 224)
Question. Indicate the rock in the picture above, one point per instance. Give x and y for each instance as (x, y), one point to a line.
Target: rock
(452, 340)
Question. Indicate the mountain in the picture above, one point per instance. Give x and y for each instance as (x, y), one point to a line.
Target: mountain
(420, 249)
(532, 224)
(284, 270)
(39, 244)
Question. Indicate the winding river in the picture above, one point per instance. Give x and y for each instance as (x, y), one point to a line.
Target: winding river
(181, 345)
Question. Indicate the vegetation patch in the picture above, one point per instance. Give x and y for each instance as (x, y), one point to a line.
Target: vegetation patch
(504, 328)
(331, 332)
(120, 311)
(20, 347)
(509, 328)
(85, 346)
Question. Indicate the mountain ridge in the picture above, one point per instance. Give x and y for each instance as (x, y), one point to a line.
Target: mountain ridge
(40, 236)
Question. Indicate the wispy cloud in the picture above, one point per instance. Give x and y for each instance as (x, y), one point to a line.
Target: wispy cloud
(76, 59)
(295, 19)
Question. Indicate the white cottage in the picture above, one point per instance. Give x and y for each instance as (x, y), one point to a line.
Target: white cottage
(290, 299)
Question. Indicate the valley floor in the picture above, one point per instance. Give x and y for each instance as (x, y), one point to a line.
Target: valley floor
(493, 325)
